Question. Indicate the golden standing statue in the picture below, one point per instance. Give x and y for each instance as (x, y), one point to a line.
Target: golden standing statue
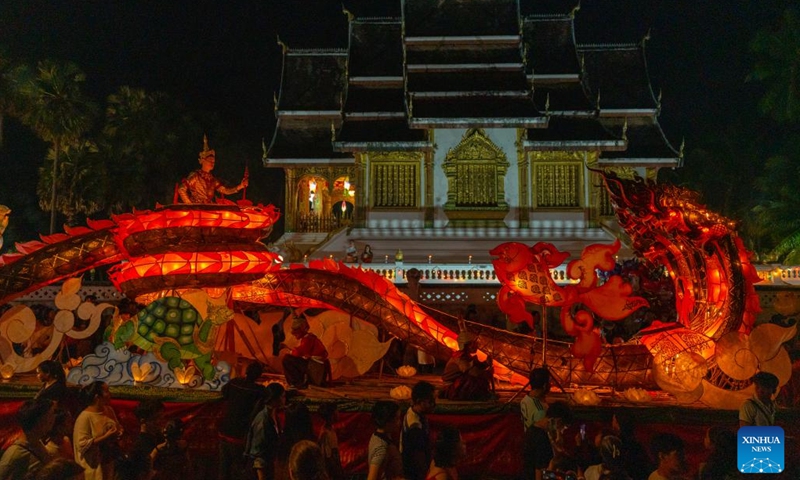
(4, 214)
(201, 185)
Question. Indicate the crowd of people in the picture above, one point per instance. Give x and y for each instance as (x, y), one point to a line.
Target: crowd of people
(80, 438)
(262, 437)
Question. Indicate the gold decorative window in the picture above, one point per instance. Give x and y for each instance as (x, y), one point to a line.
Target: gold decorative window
(395, 179)
(557, 179)
(475, 171)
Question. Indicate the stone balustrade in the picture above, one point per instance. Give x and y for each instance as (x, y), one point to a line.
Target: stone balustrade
(477, 274)
(450, 273)
(778, 274)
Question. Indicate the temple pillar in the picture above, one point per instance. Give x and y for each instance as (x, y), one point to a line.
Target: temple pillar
(428, 173)
(362, 194)
(524, 180)
(290, 200)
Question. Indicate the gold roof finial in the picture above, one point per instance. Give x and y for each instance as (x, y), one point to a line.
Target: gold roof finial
(646, 37)
(347, 13)
(284, 47)
(575, 9)
(333, 132)
(206, 152)
(547, 104)
(683, 145)
(625, 130)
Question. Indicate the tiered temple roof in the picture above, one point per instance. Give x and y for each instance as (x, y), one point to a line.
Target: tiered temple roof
(307, 107)
(464, 66)
(550, 55)
(467, 64)
(375, 110)
(618, 75)
(647, 147)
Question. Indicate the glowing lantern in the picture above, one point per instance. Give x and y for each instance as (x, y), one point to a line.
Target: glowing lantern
(638, 395)
(185, 375)
(7, 371)
(679, 356)
(400, 393)
(406, 371)
(140, 372)
(585, 397)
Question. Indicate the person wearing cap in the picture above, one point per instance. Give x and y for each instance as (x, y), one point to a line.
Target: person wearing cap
(759, 410)
(465, 377)
(201, 185)
(297, 362)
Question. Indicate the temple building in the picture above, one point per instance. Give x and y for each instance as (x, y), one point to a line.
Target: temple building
(457, 126)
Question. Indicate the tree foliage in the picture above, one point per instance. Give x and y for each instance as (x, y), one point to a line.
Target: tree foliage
(145, 139)
(774, 219)
(778, 68)
(53, 104)
(81, 181)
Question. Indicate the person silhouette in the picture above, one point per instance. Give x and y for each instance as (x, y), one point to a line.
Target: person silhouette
(201, 185)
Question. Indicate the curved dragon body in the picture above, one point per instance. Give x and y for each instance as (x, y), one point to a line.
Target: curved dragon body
(181, 247)
(707, 262)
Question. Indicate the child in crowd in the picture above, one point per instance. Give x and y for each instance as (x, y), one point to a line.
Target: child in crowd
(148, 413)
(170, 459)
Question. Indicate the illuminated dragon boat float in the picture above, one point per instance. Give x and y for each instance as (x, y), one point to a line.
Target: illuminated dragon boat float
(193, 266)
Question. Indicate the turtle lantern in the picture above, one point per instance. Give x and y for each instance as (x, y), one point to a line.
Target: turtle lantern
(174, 331)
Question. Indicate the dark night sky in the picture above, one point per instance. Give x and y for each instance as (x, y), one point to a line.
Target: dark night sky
(223, 56)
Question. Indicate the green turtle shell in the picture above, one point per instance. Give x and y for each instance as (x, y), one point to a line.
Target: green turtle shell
(169, 317)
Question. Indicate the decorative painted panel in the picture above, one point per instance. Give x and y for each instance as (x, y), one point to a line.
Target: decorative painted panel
(475, 171)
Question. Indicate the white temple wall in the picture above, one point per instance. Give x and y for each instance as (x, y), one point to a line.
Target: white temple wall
(558, 219)
(395, 219)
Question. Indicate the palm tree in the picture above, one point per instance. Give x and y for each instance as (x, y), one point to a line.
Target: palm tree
(775, 221)
(126, 140)
(81, 180)
(778, 68)
(53, 105)
(146, 138)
